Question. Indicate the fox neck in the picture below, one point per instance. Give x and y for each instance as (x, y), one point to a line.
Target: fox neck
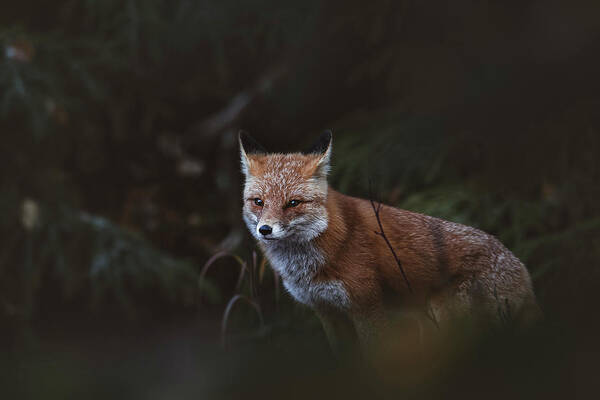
(293, 259)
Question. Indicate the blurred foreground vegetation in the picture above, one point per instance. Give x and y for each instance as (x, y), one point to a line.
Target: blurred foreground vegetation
(120, 165)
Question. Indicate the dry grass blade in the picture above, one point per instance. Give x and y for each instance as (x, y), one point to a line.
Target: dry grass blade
(277, 290)
(431, 316)
(253, 277)
(235, 299)
(240, 279)
(262, 267)
(216, 257)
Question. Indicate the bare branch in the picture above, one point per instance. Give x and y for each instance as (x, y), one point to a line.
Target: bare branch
(381, 232)
(222, 122)
(227, 117)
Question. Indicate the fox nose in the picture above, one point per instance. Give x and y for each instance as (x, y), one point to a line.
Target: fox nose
(265, 230)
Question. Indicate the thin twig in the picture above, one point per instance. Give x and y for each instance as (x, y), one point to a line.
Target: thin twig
(381, 233)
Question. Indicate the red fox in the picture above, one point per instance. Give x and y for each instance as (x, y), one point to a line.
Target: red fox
(325, 247)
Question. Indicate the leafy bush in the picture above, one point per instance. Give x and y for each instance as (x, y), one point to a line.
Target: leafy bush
(89, 258)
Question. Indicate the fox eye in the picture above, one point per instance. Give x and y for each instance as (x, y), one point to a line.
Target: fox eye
(293, 203)
(259, 202)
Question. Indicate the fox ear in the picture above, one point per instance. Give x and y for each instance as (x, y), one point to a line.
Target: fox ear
(322, 144)
(248, 146)
(322, 149)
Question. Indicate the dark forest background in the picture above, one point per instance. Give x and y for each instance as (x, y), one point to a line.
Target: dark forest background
(120, 180)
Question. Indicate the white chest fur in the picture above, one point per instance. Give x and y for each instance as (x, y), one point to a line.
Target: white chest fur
(298, 264)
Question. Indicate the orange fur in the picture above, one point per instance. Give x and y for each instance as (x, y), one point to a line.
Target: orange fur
(337, 263)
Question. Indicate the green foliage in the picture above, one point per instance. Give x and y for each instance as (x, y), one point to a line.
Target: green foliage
(91, 259)
(103, 49)
(396, 151)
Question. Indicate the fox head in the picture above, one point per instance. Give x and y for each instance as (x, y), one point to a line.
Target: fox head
(285, 194)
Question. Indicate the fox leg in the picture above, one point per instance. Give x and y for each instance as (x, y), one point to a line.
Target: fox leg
(371, 329)
(339, 330)
(478, 299)
(469, 298)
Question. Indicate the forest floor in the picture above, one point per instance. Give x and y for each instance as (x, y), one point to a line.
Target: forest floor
(71, 356)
